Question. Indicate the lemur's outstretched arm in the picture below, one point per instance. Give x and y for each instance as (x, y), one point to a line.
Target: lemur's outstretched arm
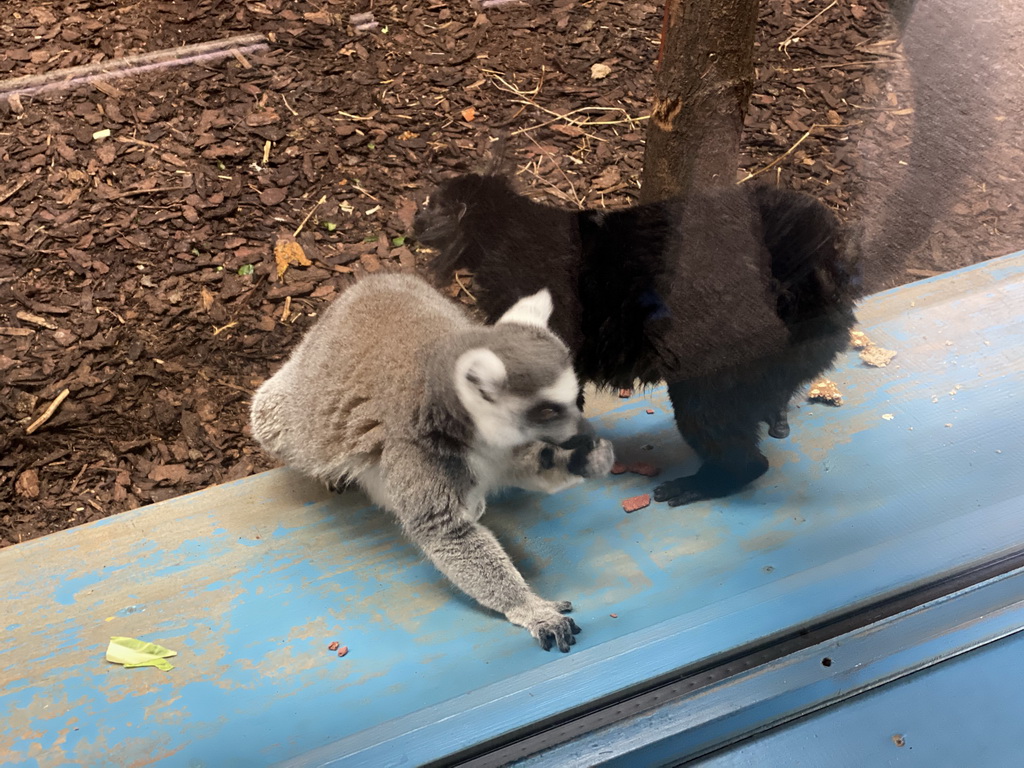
(474, 561)
(471, 557)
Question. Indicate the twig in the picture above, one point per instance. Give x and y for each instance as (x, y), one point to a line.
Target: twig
(785, 43)
(119, 318)
(288, 106)
(847, 65)
(781, 157)
(525, 98)
(362, 191)
(13, 190)
(511, 88)
(350, 116)
(139, 142)
(309, 215)
(48, 412)
(558, 193)
(576, 197)
(464, 288)
(153, 190)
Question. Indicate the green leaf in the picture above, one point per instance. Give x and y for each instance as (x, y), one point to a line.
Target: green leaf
(370, 239)
(245, 269)
(330, 226)
(372, 145)
(396, 241)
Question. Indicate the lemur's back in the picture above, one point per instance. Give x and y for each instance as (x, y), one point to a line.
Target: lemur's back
(329, 409)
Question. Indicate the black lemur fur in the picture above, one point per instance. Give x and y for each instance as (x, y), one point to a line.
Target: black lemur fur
(735, 297)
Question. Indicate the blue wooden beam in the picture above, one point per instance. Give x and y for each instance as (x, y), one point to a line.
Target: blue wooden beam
(823, 675)
(917, 475)
(965, 711)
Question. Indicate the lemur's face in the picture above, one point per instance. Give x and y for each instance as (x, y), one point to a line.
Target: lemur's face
(507, 414)
(521, 387)
(438, 219)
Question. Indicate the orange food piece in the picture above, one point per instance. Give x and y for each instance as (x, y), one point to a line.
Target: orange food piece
(644, 468)
(618, 469)
(333, 646)
(634, 503)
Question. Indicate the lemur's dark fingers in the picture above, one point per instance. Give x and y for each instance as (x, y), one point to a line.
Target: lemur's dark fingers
(547, 458)
(559, 633)
(579, 441)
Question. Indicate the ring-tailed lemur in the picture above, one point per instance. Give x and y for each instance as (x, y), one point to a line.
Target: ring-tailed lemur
(397, 390)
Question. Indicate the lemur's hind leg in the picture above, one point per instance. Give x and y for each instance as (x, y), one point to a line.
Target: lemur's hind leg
(723, 434)
(778, 424)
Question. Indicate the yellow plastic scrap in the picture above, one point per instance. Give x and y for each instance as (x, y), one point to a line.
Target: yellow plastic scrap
(138, 653)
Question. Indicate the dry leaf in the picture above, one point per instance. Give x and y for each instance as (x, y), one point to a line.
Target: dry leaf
(288, 253)
(469, 114)
(27, 484)
(205, 299)
(600, 71)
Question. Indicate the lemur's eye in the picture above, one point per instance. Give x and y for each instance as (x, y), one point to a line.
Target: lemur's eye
(546, 412)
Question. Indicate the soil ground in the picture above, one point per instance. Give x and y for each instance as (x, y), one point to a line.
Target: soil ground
(138, 270)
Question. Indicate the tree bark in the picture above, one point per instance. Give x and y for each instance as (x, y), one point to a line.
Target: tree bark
(702, 87)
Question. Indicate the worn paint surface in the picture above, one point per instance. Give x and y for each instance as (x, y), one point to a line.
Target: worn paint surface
(252, 580)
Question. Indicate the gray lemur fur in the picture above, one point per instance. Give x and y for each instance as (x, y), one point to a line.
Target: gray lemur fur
(397, 390)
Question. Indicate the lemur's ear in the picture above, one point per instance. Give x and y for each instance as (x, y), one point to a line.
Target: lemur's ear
(481, 372)
(532, 310)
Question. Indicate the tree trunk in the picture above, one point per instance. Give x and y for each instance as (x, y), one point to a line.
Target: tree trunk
(704, 81)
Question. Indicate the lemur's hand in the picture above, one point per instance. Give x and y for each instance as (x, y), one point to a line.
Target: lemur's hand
(580, 455)
(544, 620)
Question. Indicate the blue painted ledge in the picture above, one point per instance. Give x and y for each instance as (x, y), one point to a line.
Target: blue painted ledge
(917, 475)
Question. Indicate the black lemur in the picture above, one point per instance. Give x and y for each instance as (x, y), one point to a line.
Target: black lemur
(735, 297)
